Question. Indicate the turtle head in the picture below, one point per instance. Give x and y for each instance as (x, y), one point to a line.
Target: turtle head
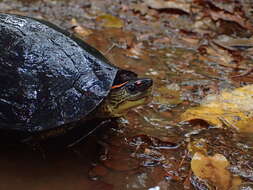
(127, 95)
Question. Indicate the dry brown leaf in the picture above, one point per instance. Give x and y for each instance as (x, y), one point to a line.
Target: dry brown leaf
(162, 4)
(78, 29)
(140, 7)
(226, 5)
(235, 17)
(247, 9)
(135, 51)
(234, 44)
(220, 56)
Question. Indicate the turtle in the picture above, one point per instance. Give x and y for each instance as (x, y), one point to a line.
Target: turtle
(50, 79)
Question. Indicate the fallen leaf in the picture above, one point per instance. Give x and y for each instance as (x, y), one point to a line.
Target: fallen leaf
(219, 56)
(235, 17)
(135, 50)
(119, 159)
(230, 108)
(162, 4)
(110, 21)
(139, 8)
(80, 30)
(98, 170)
(213, 169)
(234, 44)
(247, 9)
(227, 5)
(198, 145)
(168, 96)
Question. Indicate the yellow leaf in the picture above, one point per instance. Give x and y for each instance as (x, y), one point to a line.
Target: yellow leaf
(110, 21)
(213, 169)
(198, 145)
(230, 108)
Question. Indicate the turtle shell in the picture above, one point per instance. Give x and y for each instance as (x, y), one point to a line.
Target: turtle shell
(48, 78)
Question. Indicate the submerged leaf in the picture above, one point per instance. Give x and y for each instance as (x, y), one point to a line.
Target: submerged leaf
(168, 96)
(213, 169)
(198, 145)
(110, 21)
(230, 108)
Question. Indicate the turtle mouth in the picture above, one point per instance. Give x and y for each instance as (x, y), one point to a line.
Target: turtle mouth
(133, 102)
(143, 96)
(132, 94)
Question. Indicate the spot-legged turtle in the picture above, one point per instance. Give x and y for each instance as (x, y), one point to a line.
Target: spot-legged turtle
(50, 78)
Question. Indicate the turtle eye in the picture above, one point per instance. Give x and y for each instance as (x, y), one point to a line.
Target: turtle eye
(131, 88)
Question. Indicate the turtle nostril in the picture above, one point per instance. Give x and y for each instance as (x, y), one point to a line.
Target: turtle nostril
(147, 82)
